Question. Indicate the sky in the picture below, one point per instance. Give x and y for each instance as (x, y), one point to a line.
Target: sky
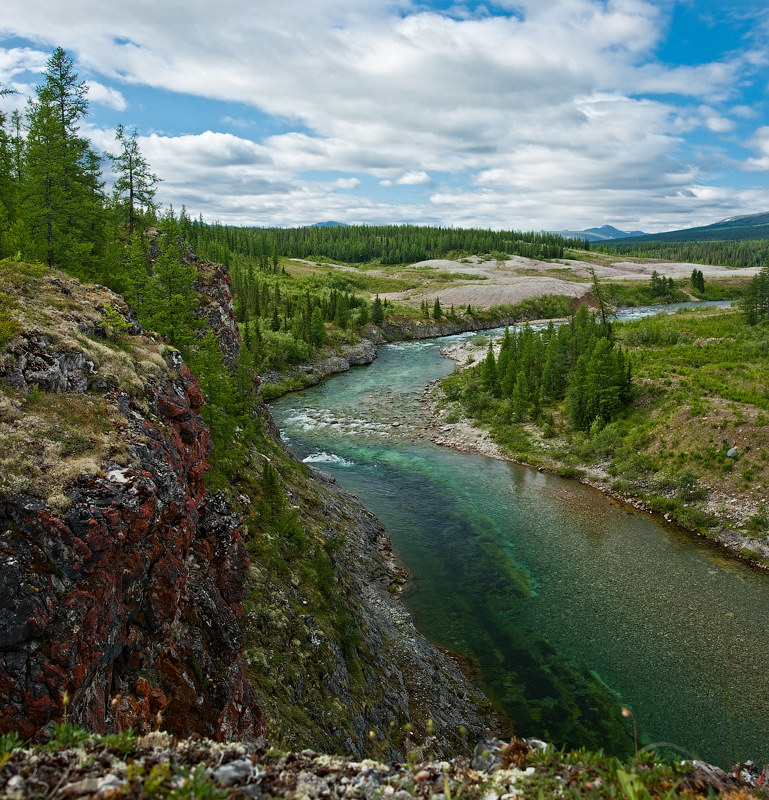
(527, 114)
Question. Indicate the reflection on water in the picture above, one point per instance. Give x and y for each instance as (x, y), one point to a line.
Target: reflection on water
(569, 605)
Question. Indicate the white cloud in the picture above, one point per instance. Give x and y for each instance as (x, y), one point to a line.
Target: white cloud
(414, 179)
(715, 122)
(541, 112)
(106, 96)
(347, 183)
(746, 112)
(16, 60)
(760, 141)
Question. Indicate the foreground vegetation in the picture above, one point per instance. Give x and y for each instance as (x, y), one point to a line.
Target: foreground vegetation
(157, 766)
(690, 438)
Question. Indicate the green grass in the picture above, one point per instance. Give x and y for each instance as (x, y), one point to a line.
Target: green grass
(700, 388)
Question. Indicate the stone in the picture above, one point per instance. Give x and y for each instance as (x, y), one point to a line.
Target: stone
(93, 595)
(241, 771)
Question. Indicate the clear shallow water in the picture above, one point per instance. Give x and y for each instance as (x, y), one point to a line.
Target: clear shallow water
(570, 605)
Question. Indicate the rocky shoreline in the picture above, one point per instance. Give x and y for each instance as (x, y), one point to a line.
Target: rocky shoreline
(464, 436)
(311, 373)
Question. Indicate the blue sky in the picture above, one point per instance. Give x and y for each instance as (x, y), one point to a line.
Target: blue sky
(555, 114)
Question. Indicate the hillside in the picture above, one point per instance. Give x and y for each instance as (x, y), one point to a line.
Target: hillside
(268, 610)
(747, 226)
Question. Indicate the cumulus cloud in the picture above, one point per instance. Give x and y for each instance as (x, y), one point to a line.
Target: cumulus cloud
(106, 96)
(414, 179)
(715, 122)
(760, 141)
(554, 109)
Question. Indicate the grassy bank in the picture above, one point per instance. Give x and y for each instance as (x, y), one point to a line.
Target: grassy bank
(692, 443)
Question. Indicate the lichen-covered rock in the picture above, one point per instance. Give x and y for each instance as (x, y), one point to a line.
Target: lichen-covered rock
(123, 596)
(213, 289)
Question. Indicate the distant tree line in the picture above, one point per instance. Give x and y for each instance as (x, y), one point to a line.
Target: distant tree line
(738, 253)
(357, 244)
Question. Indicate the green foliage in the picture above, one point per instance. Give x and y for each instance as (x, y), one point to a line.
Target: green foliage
(10, 742)
(631, 293)
(689, 487)
(172, 782)
(170, 303)
(755, 302)
(123, 742)
(135, 185)
(578, 362)
(377, 312)
(220, 411)
(362, 244)
(698, 281)
(61, 205)
(9, 326)
(66, 734)
(760, 520)
(115, 323)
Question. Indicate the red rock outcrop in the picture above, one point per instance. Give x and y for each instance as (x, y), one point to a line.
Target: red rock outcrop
(127, 602)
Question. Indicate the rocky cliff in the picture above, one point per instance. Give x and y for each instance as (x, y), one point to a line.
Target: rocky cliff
(131, 593)
(121, 578)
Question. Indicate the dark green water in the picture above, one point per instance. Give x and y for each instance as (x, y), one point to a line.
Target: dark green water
(570, 605)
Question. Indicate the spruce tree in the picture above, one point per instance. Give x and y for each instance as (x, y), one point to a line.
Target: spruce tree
(135, 185)
(317, 328)
(521, 397)
(377, 312)
(437, 311)
(489, 380)
(61, 201)
(171, 304)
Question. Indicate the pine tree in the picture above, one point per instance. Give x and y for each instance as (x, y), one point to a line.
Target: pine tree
(521, 397)
(317, 328)
(61, 202)
(135, 185)
(377, 312)
(170, 305)
(137, 272)
(437, 311)
(489, 381)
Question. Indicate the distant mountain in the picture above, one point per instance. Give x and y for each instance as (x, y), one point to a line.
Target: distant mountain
(329, 224)
(600, 234)
(746, 226)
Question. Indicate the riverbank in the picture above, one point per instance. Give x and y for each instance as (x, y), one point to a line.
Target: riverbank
(726, 508)
(362, 350)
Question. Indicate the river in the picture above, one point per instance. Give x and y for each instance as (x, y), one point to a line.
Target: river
(569, 604)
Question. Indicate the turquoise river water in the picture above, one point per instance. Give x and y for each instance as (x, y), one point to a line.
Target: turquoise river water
(569, 604)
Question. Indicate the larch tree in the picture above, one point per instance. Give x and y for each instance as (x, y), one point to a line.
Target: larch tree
(61, 200)
(135, 186)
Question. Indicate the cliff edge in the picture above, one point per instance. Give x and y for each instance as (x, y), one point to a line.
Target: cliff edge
(132, 596)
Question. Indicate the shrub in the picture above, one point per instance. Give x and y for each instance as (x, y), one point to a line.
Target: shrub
(689, 487)
(759, 521)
